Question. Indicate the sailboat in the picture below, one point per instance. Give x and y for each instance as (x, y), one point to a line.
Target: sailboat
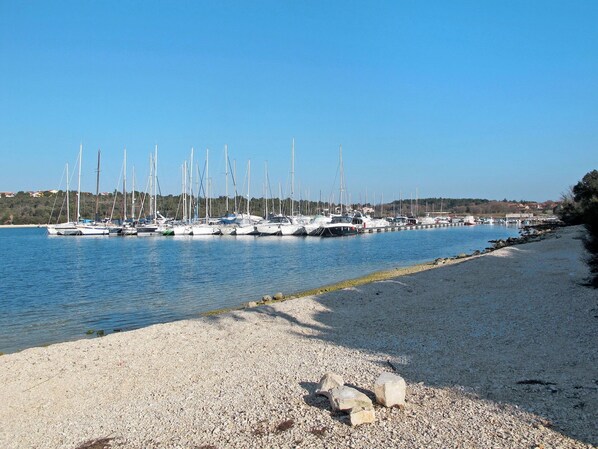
(340, 225)
(153, 225)
(68, 225)
(184, 227)
(83, 227)
(281, 224)
(205, 227)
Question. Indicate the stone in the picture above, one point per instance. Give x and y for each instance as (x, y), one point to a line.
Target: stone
(251, 304)
(361, 415)
(347, 398)
(390, 390)
(328, 382)
(266, 298)
(278, 296)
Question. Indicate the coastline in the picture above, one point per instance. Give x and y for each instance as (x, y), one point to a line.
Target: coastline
(497, 351)
(23, 226)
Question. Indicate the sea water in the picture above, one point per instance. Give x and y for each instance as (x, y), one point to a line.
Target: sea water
(54, 289)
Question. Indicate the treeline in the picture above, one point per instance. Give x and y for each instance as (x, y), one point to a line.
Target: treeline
(461, 206)
(580, 206)
(52, 208)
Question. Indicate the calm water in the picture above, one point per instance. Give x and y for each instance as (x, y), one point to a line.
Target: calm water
(56, 288)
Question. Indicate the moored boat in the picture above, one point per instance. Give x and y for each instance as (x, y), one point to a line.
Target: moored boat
(339, 227)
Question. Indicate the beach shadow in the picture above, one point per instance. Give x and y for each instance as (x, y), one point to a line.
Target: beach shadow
(448, 330)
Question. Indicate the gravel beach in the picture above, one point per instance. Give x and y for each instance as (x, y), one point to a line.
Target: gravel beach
(498, 351)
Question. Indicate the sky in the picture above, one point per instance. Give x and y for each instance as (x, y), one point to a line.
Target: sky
(483, 99)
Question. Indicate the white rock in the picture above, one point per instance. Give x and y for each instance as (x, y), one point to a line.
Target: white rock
(328, 382)
(390, 390)
(360, 415)
(347, 398)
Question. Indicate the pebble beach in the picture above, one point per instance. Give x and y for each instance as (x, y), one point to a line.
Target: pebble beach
(498, 350)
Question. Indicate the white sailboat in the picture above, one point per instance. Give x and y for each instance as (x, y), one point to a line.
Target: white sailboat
(205, 227)
(339, 225)
(245, 225)
(83, 227)
(184, 227)
(281, 224)
(68, 225)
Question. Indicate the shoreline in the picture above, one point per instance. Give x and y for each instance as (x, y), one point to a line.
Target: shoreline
(23, 226)
(500, 352)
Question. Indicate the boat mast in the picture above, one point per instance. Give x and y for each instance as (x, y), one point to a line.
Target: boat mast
(191, 185)
(292, 176)
(235, 184)
(97, 217)
(133, 196)
(151, 185)
(68, 211)
(156, 184)
(266, 182)
(248, 180)
(279, 198)
(226, 175)
(79, 185)
(342, 176)
(207, 185)
(184, 188)
(125, 187)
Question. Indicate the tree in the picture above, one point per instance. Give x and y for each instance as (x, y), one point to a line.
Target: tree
(586, 190)
(586, 197)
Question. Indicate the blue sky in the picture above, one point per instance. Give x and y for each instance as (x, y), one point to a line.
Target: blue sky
(491, 99)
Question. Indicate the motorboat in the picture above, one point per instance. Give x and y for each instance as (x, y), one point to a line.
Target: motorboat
(279, 225)
(339, 226)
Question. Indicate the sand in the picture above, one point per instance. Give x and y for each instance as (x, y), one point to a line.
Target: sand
(498, 351)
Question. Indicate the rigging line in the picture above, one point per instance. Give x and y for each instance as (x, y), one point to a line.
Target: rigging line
(122, 167)
(56, 198)
(144, 197)
(232, 173)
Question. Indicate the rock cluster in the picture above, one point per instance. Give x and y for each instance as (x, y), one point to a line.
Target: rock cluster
(389, 391)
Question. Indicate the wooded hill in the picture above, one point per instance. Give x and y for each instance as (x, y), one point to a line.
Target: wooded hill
(48, 207)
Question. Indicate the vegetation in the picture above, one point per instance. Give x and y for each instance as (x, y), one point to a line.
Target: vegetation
(50, 207)
(580, 206)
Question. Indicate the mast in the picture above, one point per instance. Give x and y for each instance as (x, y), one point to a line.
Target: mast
(342, 176)
(226, 175)
(279, 199)
(207, 186)
(133, 196)
(156, 184)
(97, 217)
(151, 185)
(191, 186)
(248, 180)
(184, 188)
(79, 185)
(125, 186)
(266, 182)
(292, 176)
(400, 203)
(235, 184)
(68, 210)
